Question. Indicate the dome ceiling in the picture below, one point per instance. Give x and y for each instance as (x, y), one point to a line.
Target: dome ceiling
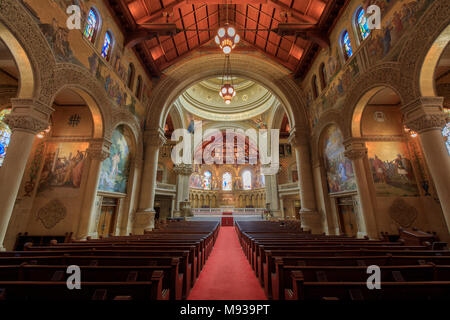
(204, 101)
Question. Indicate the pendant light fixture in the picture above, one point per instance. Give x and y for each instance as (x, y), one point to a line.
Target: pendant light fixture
(226, 37)
(227, 91)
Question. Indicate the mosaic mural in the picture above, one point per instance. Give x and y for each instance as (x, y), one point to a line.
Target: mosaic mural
(115, 169)
(339, 169)
(392, 169)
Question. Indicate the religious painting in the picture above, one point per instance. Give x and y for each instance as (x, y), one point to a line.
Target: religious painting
(5, 135)
(206, 183)
(63, 165)
(392, 170)
(195, 181)
(227, 181)
(339, 169)
(115, 169)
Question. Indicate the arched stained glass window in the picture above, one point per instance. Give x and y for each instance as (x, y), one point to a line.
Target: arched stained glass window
(107, 46)
(227, 182)
(346, 46)
(90, 30)
(247, 180)
(446, 135)
(207, 180)
(361, 22)
(5, 135)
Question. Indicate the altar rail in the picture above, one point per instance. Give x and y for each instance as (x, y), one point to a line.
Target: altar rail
(235, 211)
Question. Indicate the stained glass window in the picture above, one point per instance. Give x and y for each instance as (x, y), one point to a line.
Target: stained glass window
(227, 182)
(362, 24)
(207, 180)
(106, 51)
(5, 135)
(91, 26)
(346, 45)
(247, 180)
(446, 134)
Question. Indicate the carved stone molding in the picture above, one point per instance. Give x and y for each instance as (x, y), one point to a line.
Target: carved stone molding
(52, 213)
(25, 123)
(425, 113)
(99, 149)
(299, 137)
(183, 169)
(28, 115)
(354, 148)
(155, 138)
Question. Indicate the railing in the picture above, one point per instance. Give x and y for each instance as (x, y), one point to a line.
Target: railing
(235, 211)
(166, 186)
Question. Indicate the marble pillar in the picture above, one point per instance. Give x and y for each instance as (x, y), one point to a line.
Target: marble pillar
(145, 215)
(97, 151)
(27, 118)
(425, 115)
(356, 151)
(183, 172)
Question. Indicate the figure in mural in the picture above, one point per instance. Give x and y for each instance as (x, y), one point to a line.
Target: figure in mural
(339, 169)
(392, 170)
(63, 166)
(115, 170)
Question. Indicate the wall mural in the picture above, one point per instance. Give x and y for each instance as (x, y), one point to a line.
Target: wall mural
(398, 18)
(63, 165)
(340, 176)
(115, 169)
(392, 169)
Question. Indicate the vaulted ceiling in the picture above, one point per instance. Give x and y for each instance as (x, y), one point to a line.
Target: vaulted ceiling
(164, 31)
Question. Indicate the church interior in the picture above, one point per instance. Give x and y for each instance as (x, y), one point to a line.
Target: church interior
(352, 96)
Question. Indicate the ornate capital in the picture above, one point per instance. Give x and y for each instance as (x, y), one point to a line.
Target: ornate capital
(425, 113)
(355, 148)
(155, 137)
(183, 169)
(28, 115)
(299, 137)
(99, 149)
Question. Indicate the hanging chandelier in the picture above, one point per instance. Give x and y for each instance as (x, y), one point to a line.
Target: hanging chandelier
(226, 37)
(227, 91)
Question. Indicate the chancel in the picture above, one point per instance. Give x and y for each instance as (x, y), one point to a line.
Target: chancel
(224, 150)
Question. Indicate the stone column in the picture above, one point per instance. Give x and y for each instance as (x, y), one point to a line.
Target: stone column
(283, 214)
(172, 208)
(425, 116)
(356, 151)
(183, 172)
(310, 218)
(272, 193)
(28, 117)
(97, 152)
(145, 215)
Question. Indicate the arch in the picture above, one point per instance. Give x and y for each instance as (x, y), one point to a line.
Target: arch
(247, 180)
(93, 25)
(108, 45)
(130, 76)
(345, 44)
(181, 76)
(427, 71)
(27, 84)
(360, 24)
(322, 76)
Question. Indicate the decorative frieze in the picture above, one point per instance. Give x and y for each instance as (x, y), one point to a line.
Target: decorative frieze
(99, 149)
(425, 113)
(183, 169)
(355, 148)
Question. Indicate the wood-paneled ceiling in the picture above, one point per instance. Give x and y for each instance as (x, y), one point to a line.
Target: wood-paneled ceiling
(197, 21)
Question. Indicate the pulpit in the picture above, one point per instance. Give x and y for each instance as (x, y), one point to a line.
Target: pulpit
(227, 219)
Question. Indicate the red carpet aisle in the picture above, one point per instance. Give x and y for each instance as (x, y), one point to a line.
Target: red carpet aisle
(227, 274)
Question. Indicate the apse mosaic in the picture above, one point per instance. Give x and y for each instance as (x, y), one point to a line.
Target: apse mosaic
(115, 169)
(5, 135)
(392, 169)
(63, 165)
(339, 169)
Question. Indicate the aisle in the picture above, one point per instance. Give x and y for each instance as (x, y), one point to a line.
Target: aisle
(227, 274)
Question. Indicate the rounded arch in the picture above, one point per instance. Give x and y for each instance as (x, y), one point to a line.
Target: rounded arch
(24, 38)
(81, 81)
(420, 46)
(364, 87)
(181, 76)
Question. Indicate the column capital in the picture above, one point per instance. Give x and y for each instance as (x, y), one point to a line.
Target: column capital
(425, 113)
(355, 148)
(298, 137)
(183, 169)
(155, 137)
(99, 149)
(269, 170)
(28, 115)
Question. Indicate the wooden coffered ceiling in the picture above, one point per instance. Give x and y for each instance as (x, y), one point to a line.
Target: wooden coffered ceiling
(288, 31)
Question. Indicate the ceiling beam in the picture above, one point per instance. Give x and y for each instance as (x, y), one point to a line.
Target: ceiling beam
(148, 32)
(159, 13)
(295, 13)
(306, 32)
